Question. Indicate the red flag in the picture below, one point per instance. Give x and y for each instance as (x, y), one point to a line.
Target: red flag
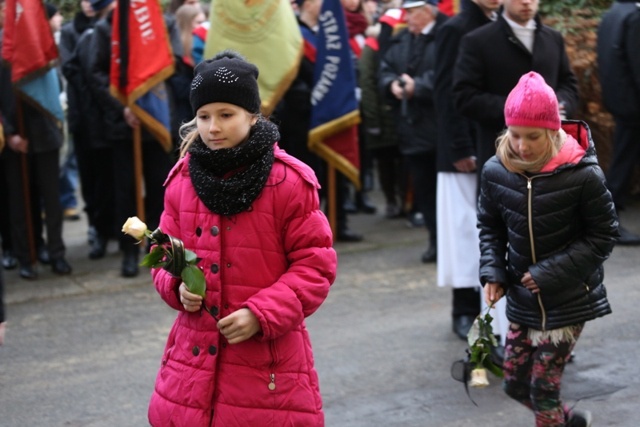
(141, 60)
(28, 43)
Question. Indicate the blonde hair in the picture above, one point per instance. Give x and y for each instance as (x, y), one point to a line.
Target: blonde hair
(512, 161)
(185, 15)
(188, 133)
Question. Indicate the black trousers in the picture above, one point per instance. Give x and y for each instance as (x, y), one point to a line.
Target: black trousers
(156, 164)
(422, 168)
(626, 156)
(95, 168)
(44, 170)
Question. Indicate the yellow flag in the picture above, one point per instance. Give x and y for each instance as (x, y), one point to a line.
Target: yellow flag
(266, 32)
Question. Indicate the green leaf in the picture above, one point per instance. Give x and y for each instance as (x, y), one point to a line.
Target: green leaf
(152, 258)
(494, 369)
(190, 257)
(193, 277)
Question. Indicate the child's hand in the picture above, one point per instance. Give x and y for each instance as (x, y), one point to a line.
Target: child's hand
(239, 326)
(492, 292)
(528, 282)
(190, 302)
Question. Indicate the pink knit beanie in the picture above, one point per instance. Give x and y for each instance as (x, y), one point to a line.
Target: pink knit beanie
(532, 103)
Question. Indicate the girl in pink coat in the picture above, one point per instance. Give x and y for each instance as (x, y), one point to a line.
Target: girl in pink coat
(251, 214)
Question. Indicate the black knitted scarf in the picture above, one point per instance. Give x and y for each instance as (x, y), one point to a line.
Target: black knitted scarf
(228, 180)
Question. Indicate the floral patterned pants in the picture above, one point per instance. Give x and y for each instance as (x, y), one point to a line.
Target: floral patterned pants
(532, 375)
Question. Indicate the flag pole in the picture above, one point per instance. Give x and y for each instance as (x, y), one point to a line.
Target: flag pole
(26, 188)
(137, 168)
(331, 197)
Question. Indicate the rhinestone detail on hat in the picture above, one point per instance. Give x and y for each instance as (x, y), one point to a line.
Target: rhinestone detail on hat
(196, 81)
(224, 75)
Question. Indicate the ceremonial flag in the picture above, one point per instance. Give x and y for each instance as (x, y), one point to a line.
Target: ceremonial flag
(266, 33)
(335, 114)
(141, 60)
(28, 46)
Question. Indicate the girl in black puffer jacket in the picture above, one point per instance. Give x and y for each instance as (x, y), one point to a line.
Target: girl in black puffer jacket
(547, 223)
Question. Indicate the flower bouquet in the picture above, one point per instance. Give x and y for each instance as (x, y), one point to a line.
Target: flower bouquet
(481, 340)
(168, 253)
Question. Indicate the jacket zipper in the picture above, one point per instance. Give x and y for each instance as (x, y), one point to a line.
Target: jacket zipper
(533, 246)
(272, 374)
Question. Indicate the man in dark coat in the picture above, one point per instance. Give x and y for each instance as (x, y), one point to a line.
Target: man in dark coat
(456, 163)
(406, 78)
(93, 151)
(619, 70)
(492, 59)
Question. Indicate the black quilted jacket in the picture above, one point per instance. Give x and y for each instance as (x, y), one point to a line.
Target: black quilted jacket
(560, 226)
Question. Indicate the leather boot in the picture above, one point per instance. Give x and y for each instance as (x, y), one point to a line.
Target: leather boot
(130, 265)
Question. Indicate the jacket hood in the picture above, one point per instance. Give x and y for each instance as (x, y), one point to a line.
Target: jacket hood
(577, 149)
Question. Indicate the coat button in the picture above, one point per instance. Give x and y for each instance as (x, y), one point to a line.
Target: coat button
(214, 310)
(198, 231)
(228, 265)
(195, 350)
(215, 230)
(214, 268)
(212, 350)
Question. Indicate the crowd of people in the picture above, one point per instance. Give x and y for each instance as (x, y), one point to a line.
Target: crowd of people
(436, 93)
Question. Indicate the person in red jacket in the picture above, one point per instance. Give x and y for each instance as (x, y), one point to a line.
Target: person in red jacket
(251, 213)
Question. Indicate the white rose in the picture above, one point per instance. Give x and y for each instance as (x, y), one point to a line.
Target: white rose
(479, 378)
(134, 228)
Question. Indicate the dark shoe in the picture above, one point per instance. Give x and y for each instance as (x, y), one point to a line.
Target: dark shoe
(627, 238)
(392, 211)
(9, 262)
(28, 272)
(98, 247)
(415, 220)
(43, 255)
(60, 266)
(579, 419)
(130, 265)
(346, 235)
(364, 204)
(462, 325)
(430, 255)
(350, 207)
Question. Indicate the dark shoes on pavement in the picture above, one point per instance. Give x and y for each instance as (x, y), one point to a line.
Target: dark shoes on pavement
(579, 419)
(130, 265)
(430, 255)
(627, 238)
(28, 272)
(60, 266)
(462, 324)
(98, 247)
(347, 235)
(9, 262)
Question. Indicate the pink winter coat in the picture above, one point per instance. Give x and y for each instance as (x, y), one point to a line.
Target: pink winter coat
(277, 260)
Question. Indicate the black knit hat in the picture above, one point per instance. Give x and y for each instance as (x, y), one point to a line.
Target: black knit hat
(227, 77)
